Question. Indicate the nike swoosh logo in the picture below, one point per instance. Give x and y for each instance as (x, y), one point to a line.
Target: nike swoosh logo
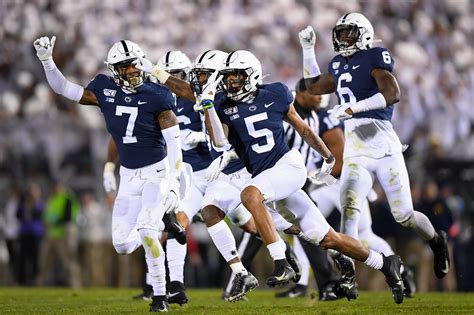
(355, 67)
(268, 105)
(180, 109)
(446, 270)
(140, 102)
(283, 276)
(172, 294)
(293, 295)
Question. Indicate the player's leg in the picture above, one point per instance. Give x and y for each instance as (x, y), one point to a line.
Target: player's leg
(270, 185)
(175, 251)
(153, 194)
(220, 196)
(356, 182)
(393, 176)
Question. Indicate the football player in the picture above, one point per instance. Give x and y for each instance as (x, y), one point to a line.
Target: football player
(312, 108)
(367, 91)
(252, 118)
(139, 116)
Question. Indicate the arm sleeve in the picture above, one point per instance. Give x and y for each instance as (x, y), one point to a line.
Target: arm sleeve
(173, 144)
(60, 84)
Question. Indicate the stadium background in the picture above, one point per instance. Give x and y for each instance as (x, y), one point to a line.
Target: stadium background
(46, 139)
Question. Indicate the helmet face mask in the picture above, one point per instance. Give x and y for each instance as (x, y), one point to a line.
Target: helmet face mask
(205, 65)
(242, 74)
(353, 32)
(176, 63)
(120, 62)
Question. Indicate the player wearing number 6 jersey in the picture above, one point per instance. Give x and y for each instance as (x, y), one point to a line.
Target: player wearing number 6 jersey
(367, 90)
(139, 116)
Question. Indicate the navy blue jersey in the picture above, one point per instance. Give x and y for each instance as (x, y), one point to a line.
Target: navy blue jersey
(199, 156)
(132, 119)
(234, 165)
(256, 129)
(354, 79)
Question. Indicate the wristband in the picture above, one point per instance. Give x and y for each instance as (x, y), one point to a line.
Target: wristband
(206, 104)
(109, 167)
(330, 159)
(160, 74)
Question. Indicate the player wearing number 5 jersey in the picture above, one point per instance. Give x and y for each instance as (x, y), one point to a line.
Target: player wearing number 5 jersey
(252, 117)
(139, 116)
(367, 91)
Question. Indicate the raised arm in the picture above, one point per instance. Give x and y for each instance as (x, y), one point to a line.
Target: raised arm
(44, 50)
(179, 87)
(316, 83)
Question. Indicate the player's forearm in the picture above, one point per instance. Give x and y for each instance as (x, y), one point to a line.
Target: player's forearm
(59, 83)
(180, 88)
(172, 136)
(214, 125)
(315, 142)
(112, 152)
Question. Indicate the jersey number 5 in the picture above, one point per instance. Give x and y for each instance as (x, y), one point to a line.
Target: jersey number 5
(265, 132)
(133, 112)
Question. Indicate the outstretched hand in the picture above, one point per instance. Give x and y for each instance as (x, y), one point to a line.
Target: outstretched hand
(44, 47)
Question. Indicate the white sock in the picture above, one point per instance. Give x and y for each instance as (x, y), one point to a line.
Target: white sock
(277, 250)
(238, 267)
(155, 260)
(375, 260)
(175, 254)
(224, 240)
(303, 260)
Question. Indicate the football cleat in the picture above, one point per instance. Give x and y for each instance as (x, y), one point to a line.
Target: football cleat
(282, 273)
(159, 304)
(331, 292)
(146, 295)
(296, 291)
(177, 293)
(172, 226)
(241, 285)
(409, 282)
(391, 270)
(347, 284)
(439, 245)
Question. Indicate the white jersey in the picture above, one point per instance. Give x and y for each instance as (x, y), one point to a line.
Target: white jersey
(370, 137)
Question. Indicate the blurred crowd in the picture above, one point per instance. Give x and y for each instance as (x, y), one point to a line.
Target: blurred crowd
(50, 148)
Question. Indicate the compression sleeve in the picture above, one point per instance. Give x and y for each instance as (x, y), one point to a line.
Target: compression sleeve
(173, 144)
(60, 84)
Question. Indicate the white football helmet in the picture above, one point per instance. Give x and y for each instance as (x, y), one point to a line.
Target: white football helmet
(121, 54)
(360, 33)
(241, 63)
(205, 64)
(176, 62)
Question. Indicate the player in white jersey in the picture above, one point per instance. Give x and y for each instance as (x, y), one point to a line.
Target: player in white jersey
(327, 197)
(367, 91)
(139, 116)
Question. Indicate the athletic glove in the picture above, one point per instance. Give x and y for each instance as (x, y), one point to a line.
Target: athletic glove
(147, 66)
(110, 182)
(323, 175)
(339, 111)
(219, 164)
(209, 91)
(307, 37)
(172, 199)
(44, 47)
(194, 137)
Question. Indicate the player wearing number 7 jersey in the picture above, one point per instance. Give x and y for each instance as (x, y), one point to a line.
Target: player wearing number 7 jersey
(139, 116)
(367, 90)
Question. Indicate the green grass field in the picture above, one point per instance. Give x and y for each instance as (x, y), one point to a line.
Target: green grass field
(114, 301)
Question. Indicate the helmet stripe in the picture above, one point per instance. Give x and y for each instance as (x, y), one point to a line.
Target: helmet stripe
(167, 58)
(228, 58)
(344, 18)
(125, 48)
(202, 56)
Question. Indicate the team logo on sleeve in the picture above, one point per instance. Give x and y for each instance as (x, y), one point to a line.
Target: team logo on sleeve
(231, 110)
(336, 64)
(109, 93)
